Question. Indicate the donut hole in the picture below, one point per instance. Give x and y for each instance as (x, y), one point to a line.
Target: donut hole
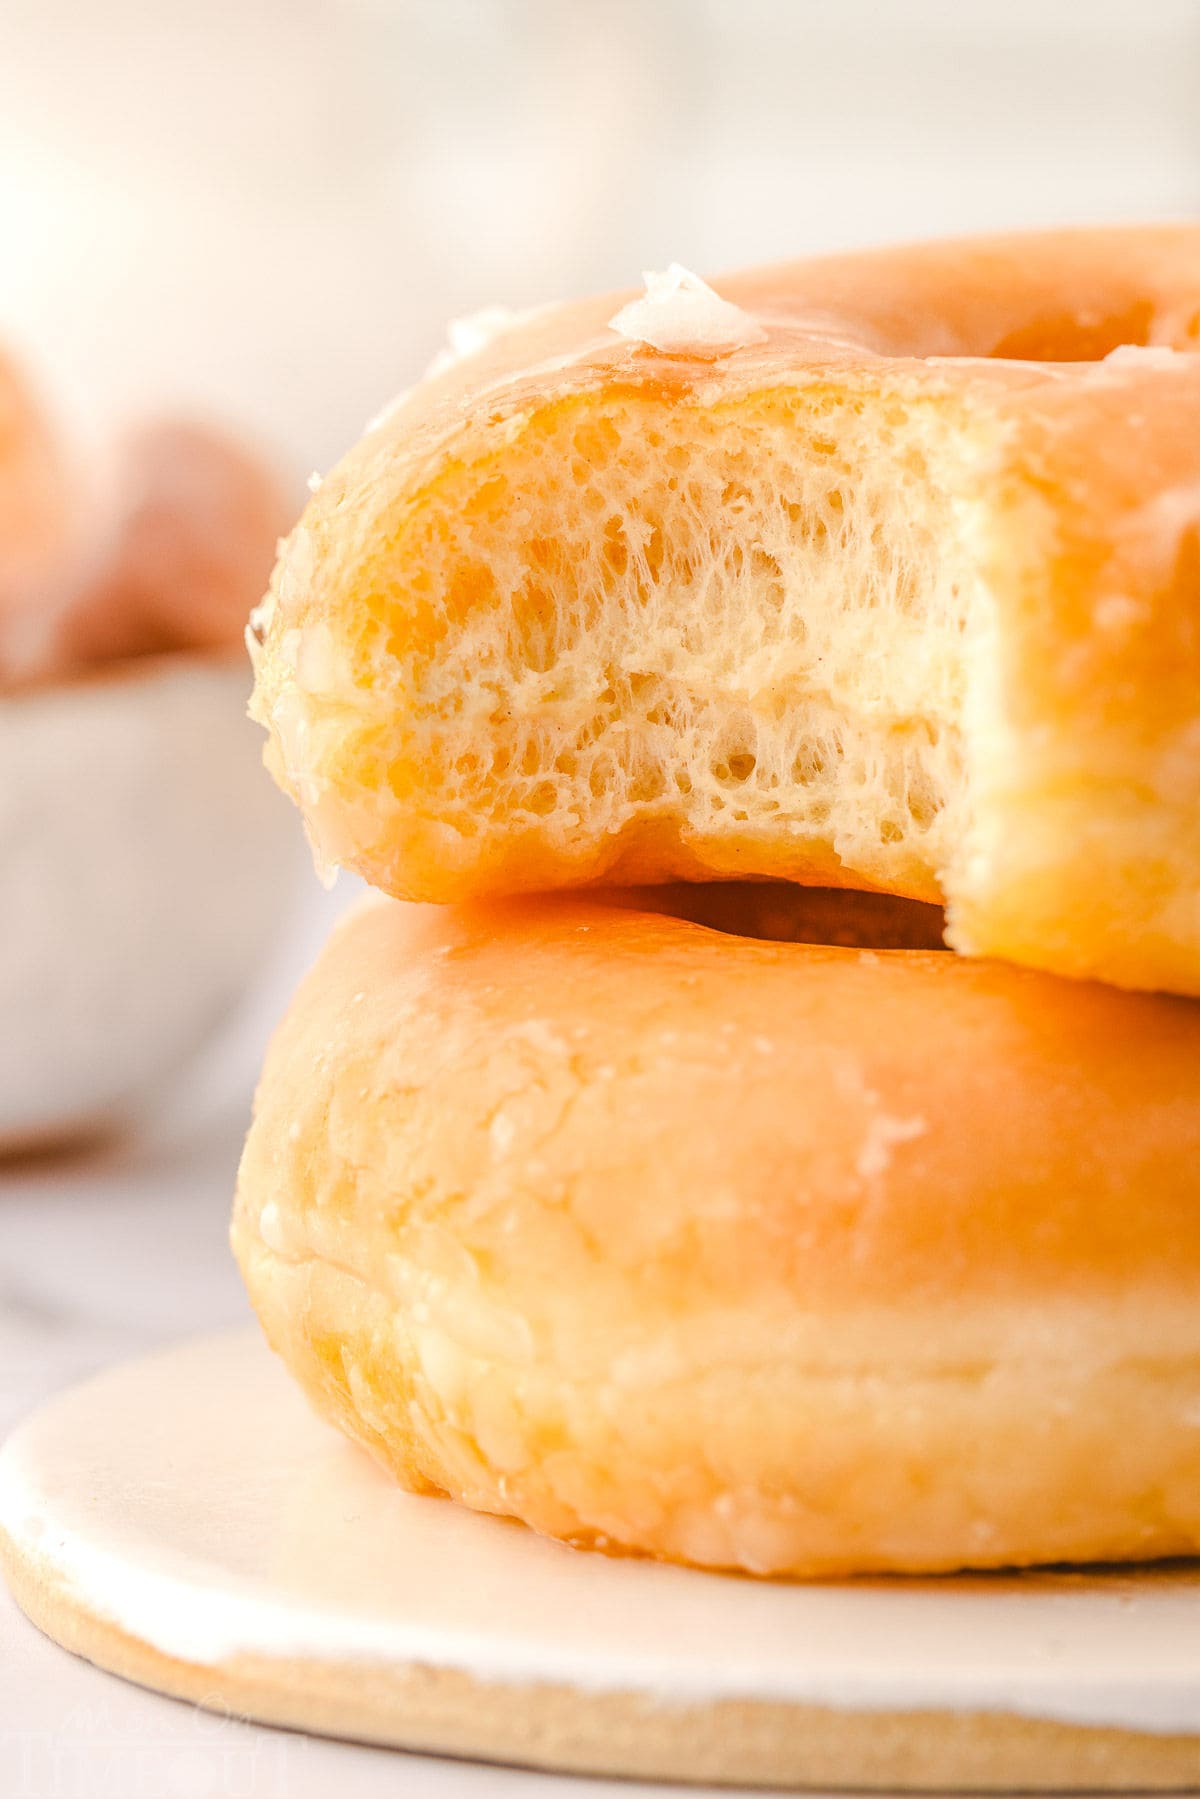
(780, 912)
(1077, 335)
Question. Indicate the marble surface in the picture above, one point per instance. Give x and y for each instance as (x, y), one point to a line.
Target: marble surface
(103, 1255)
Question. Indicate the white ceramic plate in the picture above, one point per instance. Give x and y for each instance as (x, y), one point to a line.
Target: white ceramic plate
(185, 1521)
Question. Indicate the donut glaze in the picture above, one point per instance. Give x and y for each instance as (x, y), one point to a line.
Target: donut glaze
(876, 571)
(791, 1258)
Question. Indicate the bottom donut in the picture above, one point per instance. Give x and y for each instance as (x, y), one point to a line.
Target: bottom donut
(728, 1247)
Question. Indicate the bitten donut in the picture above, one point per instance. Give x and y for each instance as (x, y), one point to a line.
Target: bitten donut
(770, 1256)
(880, 571)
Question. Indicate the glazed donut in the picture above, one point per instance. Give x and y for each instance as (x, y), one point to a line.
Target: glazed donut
(777, 1257)
(878, 571)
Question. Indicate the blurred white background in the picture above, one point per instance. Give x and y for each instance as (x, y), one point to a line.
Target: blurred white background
(270, 207)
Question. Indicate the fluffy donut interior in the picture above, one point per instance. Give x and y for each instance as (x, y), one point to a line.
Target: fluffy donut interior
(710, 628)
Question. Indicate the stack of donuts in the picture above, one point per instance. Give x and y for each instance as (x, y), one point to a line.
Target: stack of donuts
(757, 1123)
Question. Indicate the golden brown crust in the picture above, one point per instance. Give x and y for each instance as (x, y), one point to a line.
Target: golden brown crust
(757, 1254)
(1067, 490)
(1087, 828)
